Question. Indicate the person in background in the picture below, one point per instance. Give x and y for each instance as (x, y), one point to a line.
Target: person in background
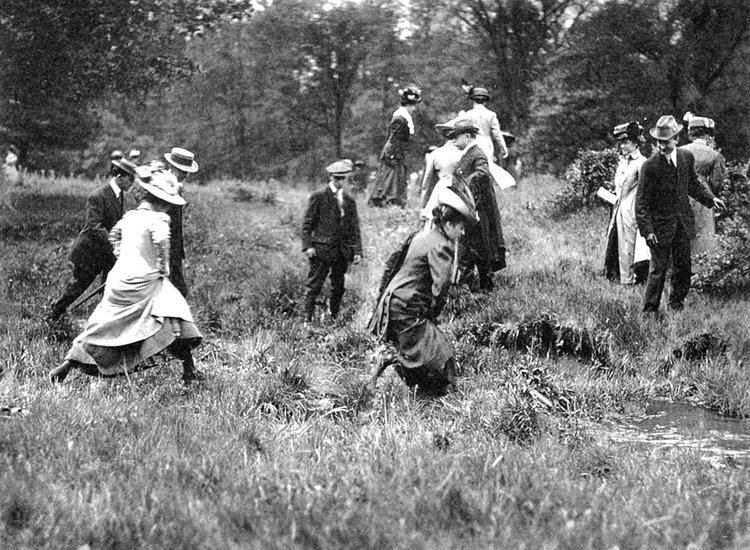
(438, 172)
(513, 162)
(181, 163)
(330, 237)
(490, 138)
(663, 213)
(134, 156)
(484, 246)
(91, 253)
(413, 292)
(141, 312)
(391, 183)
(711, 169)
(625, 245)
(11, 173)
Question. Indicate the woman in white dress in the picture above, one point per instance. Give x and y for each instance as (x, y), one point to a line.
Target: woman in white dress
(141, 312)
(438, 172)
(625, 245)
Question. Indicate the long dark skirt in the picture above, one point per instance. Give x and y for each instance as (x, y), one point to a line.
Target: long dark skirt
(425, 355)
(390, 185)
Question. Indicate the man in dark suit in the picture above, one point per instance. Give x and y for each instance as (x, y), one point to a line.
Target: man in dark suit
(91, 253)
(664, 216)
(181, 164)
(483, 245)
(330, 237)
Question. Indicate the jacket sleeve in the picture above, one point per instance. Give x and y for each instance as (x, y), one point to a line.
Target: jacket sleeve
(479, 177)
(429, 180)
(440, 260)
(356, 237)
(643, 198)
(115, 238)
(398, 137)
(718, 174)
(160, 237)
(95, 218)
(696, 188)
(497, 135)
(310, 221)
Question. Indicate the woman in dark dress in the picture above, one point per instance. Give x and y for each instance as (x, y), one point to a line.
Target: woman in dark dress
(412, 296)
(390, 183)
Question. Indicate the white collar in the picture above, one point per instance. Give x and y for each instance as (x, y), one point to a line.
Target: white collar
(333, 188)
(673, 156)
(114, 187)
(404, 112)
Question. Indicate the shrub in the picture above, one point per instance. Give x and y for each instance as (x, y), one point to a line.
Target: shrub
(728, 270)
(589, 171)
(735, 192)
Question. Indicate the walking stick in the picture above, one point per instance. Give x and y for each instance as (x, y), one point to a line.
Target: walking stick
(86, 298)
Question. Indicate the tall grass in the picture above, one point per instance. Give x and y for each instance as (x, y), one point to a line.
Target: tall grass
(285, 447)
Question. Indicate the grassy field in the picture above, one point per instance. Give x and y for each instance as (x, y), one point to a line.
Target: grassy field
(283, 447)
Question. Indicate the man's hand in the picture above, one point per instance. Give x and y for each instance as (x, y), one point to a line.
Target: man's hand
(357, 258)
(719, 204)
(651, 240)
(310, 252)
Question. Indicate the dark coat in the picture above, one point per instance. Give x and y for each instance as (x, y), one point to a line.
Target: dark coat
(327, 231)
(473, 171)
(662, 200)
(91, 248)
(394, 150)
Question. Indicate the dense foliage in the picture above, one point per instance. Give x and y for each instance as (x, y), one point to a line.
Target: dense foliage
(587, 173)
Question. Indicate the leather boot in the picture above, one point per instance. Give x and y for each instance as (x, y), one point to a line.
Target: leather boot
(58, 375)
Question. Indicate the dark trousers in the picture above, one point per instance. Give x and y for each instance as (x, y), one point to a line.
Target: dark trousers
(177, 277)
(677, 247)
(320, 266)
(79, 281)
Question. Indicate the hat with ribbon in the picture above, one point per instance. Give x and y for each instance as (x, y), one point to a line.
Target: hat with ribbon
(134, 154)
(125, 165)
(116, 155)
(161, 184)
(410, 94)
(479, 93)
(628, 130)
(182, 159)
(462, 126)
(340, 167)
(450, 196)
(666, 128)
(694, 121)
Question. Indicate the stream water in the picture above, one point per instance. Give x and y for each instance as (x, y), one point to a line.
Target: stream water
(667, 424)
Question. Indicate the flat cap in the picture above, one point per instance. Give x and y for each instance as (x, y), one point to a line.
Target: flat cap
(340, 167)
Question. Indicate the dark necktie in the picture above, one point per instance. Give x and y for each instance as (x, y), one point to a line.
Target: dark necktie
(670, 163)
(122, 203)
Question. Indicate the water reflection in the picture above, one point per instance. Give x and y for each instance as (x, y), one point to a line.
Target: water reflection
(685, 425)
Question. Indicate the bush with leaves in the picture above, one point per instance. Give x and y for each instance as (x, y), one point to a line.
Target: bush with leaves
(728, 268)
(589, 171)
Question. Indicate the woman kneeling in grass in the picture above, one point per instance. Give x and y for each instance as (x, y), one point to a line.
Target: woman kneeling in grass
(141, 312)
(413, 292)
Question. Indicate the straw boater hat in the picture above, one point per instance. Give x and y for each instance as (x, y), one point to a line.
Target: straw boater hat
(161, 184)
(462, 126)
(340, 167)
(182, 159)
(116, 155)
(666, 128)
(125, 164)
(699, 122)
(479, 93)
(449, 196)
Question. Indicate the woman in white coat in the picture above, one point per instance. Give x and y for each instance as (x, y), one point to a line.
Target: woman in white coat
(625, 245)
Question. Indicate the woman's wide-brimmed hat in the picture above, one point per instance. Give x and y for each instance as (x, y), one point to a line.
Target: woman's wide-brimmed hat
(479, 93)
(462, 126)
(125, 164)
(182, 159)
(161, 184)
(666, 128)
(410, 94)
(628, 130)
(450, 196)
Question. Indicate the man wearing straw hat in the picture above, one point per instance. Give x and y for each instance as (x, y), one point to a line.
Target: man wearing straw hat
(181, 164)
(664, 216)
(330, 237)
(91, 253)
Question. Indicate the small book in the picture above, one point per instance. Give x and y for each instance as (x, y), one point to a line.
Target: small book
(607, 196)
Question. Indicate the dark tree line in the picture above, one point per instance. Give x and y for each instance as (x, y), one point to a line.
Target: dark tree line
(280, 89)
